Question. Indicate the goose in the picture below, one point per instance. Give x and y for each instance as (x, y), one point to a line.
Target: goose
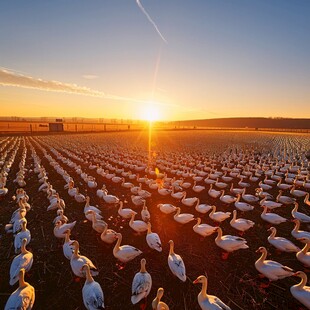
(166, 208)
(137, 200)
(202, 208)
(213, 192)
(134, 190)
(235, 191)
(126, 184)
(189, 202)
(243, 184)
(285, 199)
(145, 214)
(23, 260)
(124, 253)
(100, 192)
(303, 255)
(229, 243)
(176, 264)
(283, 186)
(3, 190)
(157, 304)
(249, 197)
(18, 224)
(77, 262)
(242, 206)
(182, 218)
(110, 199)
(303, 218)
(207, 180)
(88, 207)
(124, 212)
(59, 229)
(270, 204)
(227, 198)
(185, 184)
(23, 297)
(218, 216)
(268, 181)
(92, 292)
(108, 235)
(78, 196)
(72, 191)
(297, 193)
(206, 301)
(240, 223)
(138, 226)
(178, 195)
(198, 188)
(68, 247)
(144, 194)
(141, 284)
(280, 243)
(60, 217)
(264, 186)
(164, 191)
(152, 239)
(203, 229)
(300, 291)
(220, 184)
(116, 179)
(97, 224)
(271, 269)
(272, 218)
(296, 233)
(19, 237)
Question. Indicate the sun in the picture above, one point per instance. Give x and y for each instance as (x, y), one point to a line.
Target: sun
(150, 112)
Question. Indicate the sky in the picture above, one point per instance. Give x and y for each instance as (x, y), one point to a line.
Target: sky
(175, 59)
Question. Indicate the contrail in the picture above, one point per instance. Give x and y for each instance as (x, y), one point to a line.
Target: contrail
(150, 20)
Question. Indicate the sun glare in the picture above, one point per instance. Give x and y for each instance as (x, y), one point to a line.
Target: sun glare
(150, 112)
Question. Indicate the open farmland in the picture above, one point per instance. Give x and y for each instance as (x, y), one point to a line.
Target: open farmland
(183, 161)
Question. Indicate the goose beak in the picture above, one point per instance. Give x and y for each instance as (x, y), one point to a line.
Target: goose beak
(195, 282)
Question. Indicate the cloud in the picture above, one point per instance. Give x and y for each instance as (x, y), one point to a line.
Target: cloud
(10, 78)
(90, 76)
(150, 20)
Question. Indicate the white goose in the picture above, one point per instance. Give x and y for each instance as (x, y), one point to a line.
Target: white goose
(213, 192)
(23, 297)
(138, 226)
(285, 199)
(78, 196)
(203, 229)
(299, 215)
(296, 233)
(281, 243)
(176, 264)
(152, 239)
(157, 304)
(88, 207)
(272, 217)
(189, 202)
(242, 206)
(124, 212)
(141, 284)
(137, 200)
(248, 197)
(271, 269)
(145, 214)
(166, 208)
(270, 204)
(24, 233)
(92, 292)
(303, 255)
(206, 301)
(202, 208)
(78, 261)
(97, 224)
(177, 195)
(60, 217)
(227, 198)
(297, 193)
(68, 247)
(218, 216)
(110, 199)
(108, 235)
(182, 218)
(229, 243)
(60, 229)
(124, 253)
(240, 223)
(23, 260)
(198, 188)
(300, 291)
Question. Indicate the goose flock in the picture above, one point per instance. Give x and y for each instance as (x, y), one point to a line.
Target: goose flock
(221, 203)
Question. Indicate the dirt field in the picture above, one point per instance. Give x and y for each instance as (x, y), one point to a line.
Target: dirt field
(234, 280)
